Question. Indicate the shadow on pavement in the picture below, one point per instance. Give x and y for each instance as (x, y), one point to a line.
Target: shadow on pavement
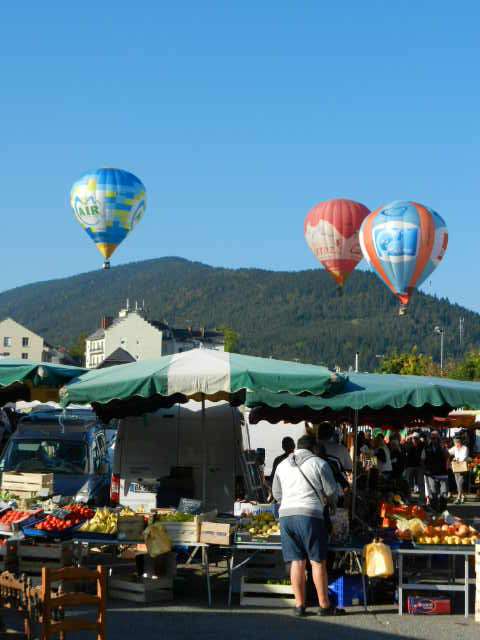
(234, 624)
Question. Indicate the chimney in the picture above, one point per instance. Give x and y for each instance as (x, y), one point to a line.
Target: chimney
(106, 322)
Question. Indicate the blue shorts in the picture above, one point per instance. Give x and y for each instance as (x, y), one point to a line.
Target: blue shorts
(303, 537)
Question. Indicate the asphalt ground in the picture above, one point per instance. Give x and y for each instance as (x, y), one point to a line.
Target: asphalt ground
(182, 623)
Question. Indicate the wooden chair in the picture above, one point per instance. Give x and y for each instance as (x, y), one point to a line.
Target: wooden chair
(16, 595)
(54, 605)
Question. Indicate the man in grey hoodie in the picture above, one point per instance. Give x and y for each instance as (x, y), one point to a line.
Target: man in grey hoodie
(304, 485)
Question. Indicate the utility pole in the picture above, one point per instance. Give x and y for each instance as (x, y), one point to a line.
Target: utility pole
(461, 329)
(441, 332)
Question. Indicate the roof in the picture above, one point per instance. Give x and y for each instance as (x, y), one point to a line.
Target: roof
(97, 335)
(178, 334)
(119, 356)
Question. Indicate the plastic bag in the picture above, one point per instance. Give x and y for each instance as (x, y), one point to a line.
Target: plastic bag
(378, 560)
(157, 540)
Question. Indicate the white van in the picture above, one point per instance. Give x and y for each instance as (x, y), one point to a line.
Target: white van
(167, 448)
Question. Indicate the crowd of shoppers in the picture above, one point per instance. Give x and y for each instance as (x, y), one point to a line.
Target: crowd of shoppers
(426, 462)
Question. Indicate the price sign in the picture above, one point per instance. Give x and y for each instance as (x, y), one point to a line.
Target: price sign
(188, 505)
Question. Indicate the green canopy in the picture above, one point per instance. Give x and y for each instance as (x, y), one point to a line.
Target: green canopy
(143, 386)
(375, 392)
(37, 380)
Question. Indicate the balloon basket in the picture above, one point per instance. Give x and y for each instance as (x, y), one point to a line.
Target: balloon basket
(403, 310)
(106, 264)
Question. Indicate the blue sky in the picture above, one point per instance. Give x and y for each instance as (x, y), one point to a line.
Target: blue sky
(238, 117)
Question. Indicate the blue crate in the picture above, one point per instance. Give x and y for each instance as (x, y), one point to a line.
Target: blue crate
(346, 591)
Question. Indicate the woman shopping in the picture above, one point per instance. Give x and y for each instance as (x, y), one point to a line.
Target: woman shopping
(459, 453)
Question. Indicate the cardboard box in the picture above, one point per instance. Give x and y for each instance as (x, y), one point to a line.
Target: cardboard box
(216, 533)
(432, 606)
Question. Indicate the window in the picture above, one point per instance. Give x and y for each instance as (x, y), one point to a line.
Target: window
(25, 342)
(45, 456)
(7, 342)
(24, 356)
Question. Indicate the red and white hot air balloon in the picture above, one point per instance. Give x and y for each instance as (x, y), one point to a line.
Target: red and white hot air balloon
(331, 231)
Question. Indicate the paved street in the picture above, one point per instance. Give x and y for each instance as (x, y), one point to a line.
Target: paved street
(177, 623)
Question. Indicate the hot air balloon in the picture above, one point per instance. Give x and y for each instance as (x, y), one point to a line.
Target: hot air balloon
(108, 203)
(403, 242)
(331, 231)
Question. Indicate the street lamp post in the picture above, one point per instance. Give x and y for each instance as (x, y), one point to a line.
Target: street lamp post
(441, 332)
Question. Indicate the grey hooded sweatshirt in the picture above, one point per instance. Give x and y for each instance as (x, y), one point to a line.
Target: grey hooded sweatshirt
(294, 493)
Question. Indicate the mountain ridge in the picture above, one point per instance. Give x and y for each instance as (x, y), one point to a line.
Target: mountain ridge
(284, 314)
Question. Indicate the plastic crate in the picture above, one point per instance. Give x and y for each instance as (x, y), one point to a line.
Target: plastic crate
(346, 591)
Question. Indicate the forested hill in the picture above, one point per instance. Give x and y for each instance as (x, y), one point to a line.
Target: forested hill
(280, 314)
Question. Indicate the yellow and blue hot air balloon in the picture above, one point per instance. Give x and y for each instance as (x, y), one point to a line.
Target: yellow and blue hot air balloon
(404, 242)
(108, 203)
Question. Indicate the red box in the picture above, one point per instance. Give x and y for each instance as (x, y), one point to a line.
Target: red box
(433, 606)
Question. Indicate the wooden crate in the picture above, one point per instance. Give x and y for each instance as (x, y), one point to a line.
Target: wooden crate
(23, 484)
(144, 590)
(8, 556)
(32, 556)
(260, 594)
(187, 532)
(266, 565)
(131, 528)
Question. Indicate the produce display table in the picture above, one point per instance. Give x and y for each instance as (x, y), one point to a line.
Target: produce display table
(82, 547)
(451, 585)
(253, 548)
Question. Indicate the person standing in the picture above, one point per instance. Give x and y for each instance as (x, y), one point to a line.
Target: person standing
(397, 457)
(304, 486)
(413, 473)
(334, 450)
(459, 453)
(436, 472)
(382, 454)
(288, 446)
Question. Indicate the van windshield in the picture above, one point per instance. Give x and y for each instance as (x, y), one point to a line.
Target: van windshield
(45, 456)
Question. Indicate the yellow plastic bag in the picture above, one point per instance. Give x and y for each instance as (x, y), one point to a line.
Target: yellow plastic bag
(157, 540)
(378, 560)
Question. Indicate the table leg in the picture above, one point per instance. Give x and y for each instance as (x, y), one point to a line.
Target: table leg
(467, 585)
(207, 574)
(364, 582)
(231, 564)
(400, 584)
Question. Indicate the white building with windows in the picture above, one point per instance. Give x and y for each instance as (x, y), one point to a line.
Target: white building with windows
(16, 341)
(144, 339)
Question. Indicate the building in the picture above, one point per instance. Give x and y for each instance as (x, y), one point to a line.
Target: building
(16, 341)
(143, 339)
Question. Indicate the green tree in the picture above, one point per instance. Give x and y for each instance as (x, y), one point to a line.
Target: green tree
(468, 368)
(231, 338)
(77, 350)
(412, 363)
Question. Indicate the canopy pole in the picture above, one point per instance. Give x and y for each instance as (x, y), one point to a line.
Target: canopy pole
(204, 463)
(355, 465)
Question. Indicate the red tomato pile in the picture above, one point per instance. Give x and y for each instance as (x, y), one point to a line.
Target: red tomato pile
(10, 517)
(80, 511)
(51, 524)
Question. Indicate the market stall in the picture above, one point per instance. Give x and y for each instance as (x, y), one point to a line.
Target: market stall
(275, 391)
(25, 380)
